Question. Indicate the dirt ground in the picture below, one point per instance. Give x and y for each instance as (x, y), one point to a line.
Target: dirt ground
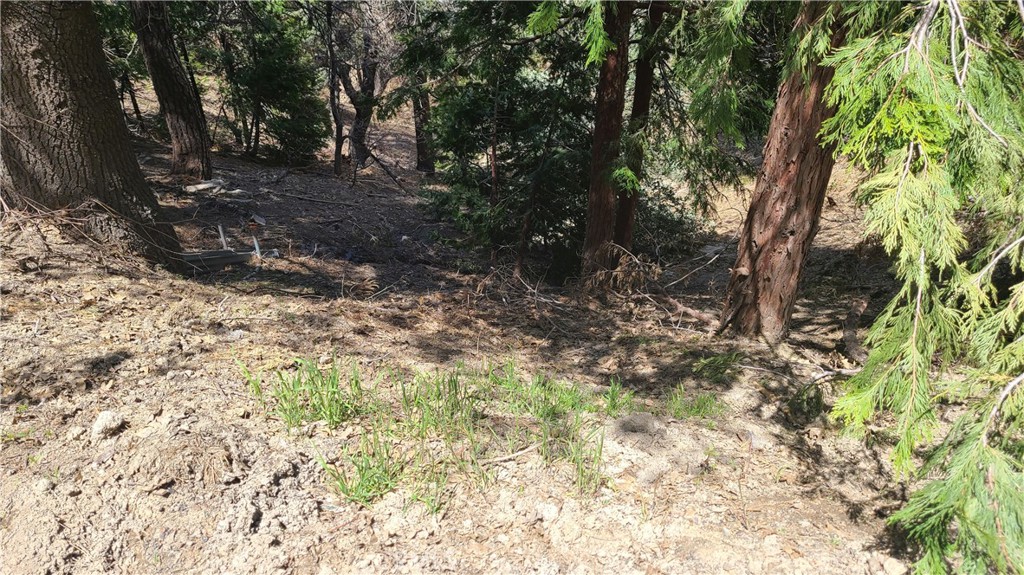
(131, 444)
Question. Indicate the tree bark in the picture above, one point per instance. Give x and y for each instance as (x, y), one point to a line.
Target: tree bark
(64, 143)
(421, 121)
(643, 91)
(179, 101)
(611, 96)
(786, 206)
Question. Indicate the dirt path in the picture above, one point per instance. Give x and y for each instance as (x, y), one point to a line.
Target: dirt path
(189, 474)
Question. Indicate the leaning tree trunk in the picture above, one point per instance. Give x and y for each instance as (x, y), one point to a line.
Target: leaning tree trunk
(64, 143)
(179, 100)
(643, 90)
(786, 206)
(421, 121)
(611, 96)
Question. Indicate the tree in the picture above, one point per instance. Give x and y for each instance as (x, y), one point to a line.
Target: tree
(783, 216)
(271, 82)
(64, 142)
(421, 122)
(180, 104)
(364, 37)
(611, 96)
(643, 92)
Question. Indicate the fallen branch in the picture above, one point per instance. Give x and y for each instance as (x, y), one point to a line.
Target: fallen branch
(833, 373)
(510, 456)
(389, 173)
(308, 199)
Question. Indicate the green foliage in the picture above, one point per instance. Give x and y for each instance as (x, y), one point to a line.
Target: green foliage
(270, 80)
(374, 469)
(309, 393)
(534, 97)
(718, 369)
(928, 101)
(618, 400)
(703, 405)
(115, 22)
(439, 403)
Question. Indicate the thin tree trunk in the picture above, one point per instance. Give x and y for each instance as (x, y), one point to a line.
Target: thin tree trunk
(643, 90)
(786, 206)
(135, 102)
(493, 156)
(421, 121)
(256, 116)
(611, 95)
(64, 143)
(179, 102)
(333, 88)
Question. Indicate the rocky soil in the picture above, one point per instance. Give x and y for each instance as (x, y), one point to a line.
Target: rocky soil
(131, 443)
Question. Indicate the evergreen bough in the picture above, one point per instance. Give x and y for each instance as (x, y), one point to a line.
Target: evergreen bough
(928, 99)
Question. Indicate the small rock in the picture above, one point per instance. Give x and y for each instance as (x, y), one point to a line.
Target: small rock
(69, 490)
(893, 566)
(547, 512)
(43, 485)
(108, 423)
(75, 433)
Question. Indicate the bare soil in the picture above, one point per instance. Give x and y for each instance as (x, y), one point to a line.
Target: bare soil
(200, 479)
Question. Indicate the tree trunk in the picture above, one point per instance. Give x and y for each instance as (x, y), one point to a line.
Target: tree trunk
(611, 96)
(362, 97)
(784, 211)
(128, 87)
(643, 90)
(495, 196)
(334, 89)
(421, 119)
(64, 143)
(179, 102)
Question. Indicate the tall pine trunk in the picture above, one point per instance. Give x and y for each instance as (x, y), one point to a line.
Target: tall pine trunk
(643, 90)
(611, 96)
(786, 206)
(64, 143)
(179, 101)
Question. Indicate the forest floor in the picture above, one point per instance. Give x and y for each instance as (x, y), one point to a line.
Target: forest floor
(133, 442)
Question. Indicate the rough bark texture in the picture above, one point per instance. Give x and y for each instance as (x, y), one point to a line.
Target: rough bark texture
(611, 96)
(64, 143)
(786, 206)
(179, 102)
(642, 92)
(421, 119)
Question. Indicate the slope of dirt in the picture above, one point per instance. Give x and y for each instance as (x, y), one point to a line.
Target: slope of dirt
(131, 443)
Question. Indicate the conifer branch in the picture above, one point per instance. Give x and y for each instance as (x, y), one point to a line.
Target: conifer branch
(1003, 396)
(1002, 253)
